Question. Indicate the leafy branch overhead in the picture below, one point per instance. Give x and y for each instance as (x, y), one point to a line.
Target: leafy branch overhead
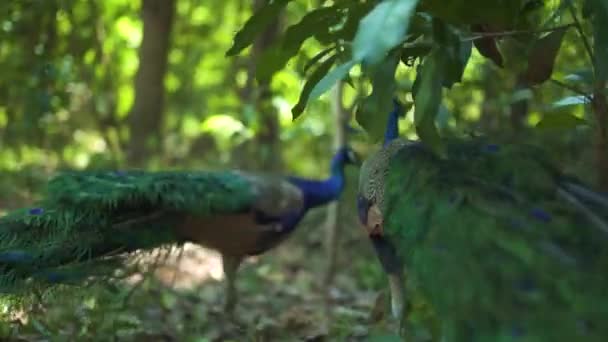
(434, 37)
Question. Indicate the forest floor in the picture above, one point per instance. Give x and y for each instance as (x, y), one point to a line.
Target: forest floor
(281, 298)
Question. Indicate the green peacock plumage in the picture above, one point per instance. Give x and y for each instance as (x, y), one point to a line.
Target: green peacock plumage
(503, 246)
(88, 222)
(85, 215)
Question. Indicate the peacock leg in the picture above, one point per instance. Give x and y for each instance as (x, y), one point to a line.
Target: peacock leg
(397, 297)
(398, 300)
(231, 264)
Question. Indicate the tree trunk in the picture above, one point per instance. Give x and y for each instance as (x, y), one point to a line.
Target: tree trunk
(145, 119)
(333, 209)
(266, 143)
(600, 108)
(519, 109)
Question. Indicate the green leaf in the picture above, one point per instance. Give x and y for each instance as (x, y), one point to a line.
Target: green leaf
(571, 101)
(373, 111)
(458, 57)
(255, 25)
(276, 57)
(487, 46)
(542, 57)
(456, 52)
(560, 121)
(330, 79)
(427, 98)
(443, 117)
(382, 29)
(311, 82)
(270, 61)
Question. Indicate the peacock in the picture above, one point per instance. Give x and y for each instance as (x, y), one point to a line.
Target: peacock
(501, 243)
(88, 221)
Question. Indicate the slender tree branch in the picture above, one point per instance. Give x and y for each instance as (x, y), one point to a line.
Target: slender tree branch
(481, 35)
(579, 28)
(571, 88)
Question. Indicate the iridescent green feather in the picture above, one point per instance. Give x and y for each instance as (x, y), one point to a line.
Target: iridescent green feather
(85, 215)
(499, 242)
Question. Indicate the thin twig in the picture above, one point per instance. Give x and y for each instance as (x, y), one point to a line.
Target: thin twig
(572, 89)
(482, 35)
(579, 28)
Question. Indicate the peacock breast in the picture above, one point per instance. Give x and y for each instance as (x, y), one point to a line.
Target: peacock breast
(232, 234)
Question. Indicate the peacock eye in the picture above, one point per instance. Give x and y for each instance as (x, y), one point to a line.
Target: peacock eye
(350, 155)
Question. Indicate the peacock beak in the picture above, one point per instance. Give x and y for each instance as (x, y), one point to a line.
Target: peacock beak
(370, 216)
(374, 221)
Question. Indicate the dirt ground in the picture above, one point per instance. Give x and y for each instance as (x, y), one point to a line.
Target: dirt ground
(281, 298)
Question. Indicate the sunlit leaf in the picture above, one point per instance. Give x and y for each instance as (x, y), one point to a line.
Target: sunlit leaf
(255, 25)
(330, 79)
(382, 29)
(373, 111)
(571, 101)
(542, 57)
(311, 82)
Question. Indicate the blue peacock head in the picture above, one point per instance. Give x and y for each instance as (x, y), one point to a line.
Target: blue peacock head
(344, 156)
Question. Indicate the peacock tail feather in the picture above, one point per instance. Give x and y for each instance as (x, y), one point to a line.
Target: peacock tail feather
(88, 215)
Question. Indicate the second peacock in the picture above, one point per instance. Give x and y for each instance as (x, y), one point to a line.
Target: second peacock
(502, 244)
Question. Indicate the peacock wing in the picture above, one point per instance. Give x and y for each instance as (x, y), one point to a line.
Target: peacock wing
(255, 230)
(274, 196)
(500, 244)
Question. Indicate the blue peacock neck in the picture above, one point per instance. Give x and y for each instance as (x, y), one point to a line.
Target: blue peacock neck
(315, 193)
(392, 124)
(320, 192)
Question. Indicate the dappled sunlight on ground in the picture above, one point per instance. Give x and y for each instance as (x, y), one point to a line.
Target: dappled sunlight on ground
(190, 266)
